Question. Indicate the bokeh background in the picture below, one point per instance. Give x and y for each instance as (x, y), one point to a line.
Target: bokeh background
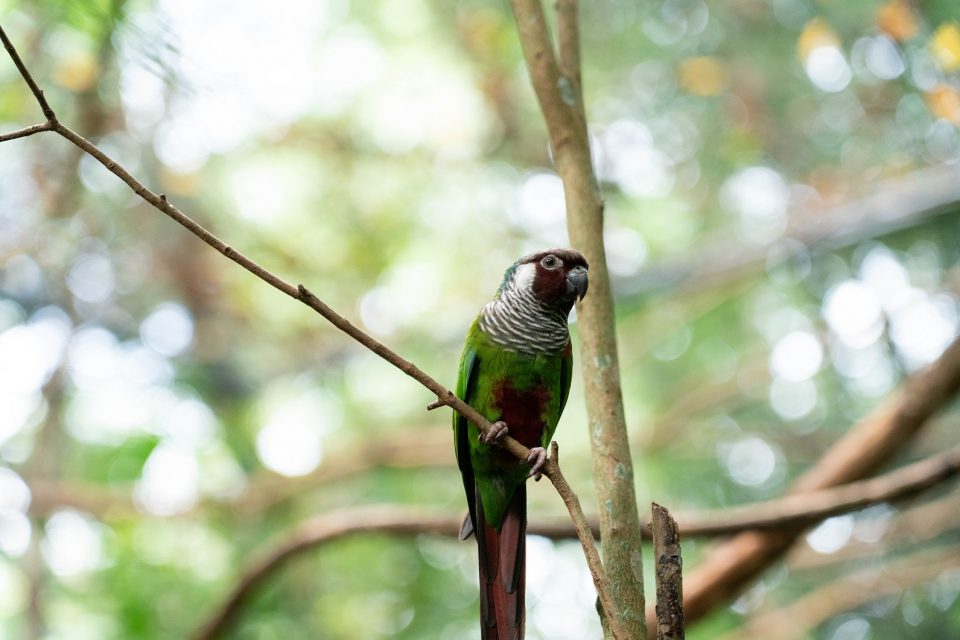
(782, 184)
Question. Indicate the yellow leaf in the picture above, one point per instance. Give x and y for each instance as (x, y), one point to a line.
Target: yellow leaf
(898, 20)
(817, 33)
(79, 72)
(944, 102)
(946, 46)
(703, 76)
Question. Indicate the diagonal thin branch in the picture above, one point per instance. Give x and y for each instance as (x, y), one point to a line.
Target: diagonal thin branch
(299, 292)
(806, 508)
(22, 68)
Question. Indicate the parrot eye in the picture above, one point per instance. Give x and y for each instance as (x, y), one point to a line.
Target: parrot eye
(550, 262)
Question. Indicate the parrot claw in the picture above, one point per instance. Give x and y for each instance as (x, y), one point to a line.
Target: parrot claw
(537, 459)
(495, 434)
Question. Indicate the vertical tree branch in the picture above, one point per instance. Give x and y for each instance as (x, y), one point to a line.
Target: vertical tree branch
(669, 572)
(560, 100)
(568, 42)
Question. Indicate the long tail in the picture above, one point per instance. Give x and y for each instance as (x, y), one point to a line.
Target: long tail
(503, 570)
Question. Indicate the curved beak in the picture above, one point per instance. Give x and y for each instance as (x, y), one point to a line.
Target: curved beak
(577, 282)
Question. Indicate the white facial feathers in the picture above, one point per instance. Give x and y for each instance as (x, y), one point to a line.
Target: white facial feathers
(524, 275)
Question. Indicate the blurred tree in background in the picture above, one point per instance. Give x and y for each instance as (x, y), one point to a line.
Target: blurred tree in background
(782, 184)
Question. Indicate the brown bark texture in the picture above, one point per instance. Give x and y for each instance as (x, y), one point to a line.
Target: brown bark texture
(669, 573)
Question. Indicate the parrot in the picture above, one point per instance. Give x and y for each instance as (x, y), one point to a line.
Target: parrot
(515, 370)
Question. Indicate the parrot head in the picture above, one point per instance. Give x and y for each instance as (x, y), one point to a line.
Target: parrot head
(556, 277)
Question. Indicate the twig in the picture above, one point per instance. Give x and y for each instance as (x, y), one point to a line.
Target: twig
(299, 292)
(669, 573)
(562, 105)
(22, 68)
(807, 508)
(26, 131)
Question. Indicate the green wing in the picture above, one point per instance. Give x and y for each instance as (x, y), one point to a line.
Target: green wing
(466, 384)
(566, 377)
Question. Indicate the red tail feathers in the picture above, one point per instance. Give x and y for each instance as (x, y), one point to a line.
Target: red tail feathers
(503, 570)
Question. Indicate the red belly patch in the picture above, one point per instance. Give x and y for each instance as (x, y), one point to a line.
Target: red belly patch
(522, 411)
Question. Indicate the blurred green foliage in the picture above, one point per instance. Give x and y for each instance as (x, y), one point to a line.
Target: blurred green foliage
(172, 416)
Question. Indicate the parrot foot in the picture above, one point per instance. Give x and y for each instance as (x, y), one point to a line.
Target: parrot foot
(537, 459)
(493, 436)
